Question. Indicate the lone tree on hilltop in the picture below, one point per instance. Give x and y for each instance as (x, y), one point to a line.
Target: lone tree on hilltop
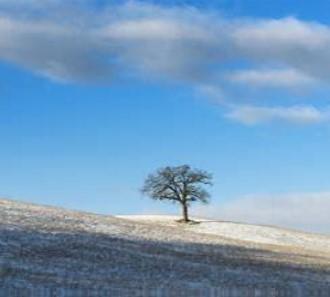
(180, 184)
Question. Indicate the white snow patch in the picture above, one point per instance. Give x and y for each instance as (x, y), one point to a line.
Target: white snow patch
(246, 232)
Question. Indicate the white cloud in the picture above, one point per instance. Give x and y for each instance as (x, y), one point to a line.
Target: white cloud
(287, 78)
(302, 211)
(287, 41)
(60, 52)
(280, 35)
(148, 37)
(179, 44)
(128, 40)
(295, 114)
(157, 29)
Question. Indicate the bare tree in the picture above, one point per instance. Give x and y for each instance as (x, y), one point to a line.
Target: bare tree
(180, 184)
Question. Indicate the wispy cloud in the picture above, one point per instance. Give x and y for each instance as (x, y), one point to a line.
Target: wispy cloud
(184, 45)
(296, 114)
(302, 211)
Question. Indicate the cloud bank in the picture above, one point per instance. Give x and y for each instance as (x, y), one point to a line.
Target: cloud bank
(201, 49)
(302, 211)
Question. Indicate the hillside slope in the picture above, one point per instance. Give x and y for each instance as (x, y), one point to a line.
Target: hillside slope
(47, 251)
(249, 233)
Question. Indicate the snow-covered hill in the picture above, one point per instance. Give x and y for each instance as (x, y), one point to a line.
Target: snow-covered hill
(47, 251)
(246, 232)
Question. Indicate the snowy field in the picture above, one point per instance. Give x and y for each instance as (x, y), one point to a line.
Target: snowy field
(245, 232)
(47, 251)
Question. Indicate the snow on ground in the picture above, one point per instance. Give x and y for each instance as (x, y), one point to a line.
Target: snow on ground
(247, 232)
(48, 251)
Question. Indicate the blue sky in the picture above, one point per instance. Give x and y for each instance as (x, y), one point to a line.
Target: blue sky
(94, 98)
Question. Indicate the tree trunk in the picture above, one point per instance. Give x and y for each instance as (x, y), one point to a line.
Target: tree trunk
(185, 212)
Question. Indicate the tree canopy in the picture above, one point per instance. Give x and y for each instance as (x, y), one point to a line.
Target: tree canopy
(180, 184)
